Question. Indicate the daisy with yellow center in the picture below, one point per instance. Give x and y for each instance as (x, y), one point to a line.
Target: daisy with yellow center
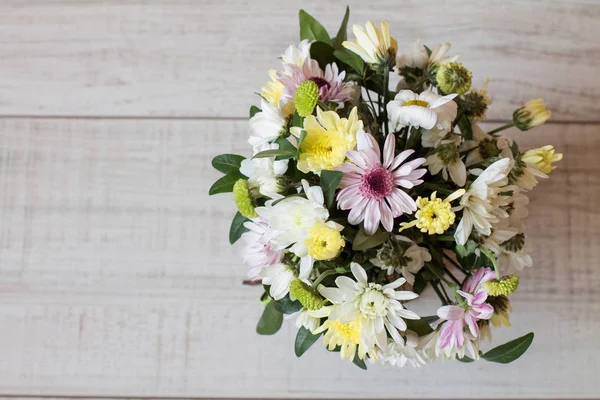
(374, 46)
(344, 335)
(328, 138)
(542, 158)
(434, 215)
(325, 240)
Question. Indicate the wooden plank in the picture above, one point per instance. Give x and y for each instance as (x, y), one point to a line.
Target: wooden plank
(207, 59)
(116, 278)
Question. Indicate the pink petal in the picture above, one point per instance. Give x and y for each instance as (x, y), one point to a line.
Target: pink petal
(450, 313)
(372, 217)
(388, 150)
(387, 219)
(400, 158)
(357, 213)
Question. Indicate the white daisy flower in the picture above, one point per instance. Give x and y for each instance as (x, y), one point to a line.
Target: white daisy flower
(517, 210)
(484, 146)
(411, 109)
(291, 218)
(525, 175)
(416, 57)
(376, 307)
(279, 276)
(296, 54)
(264, 174)
(398, 354)
(374, 46)
(476, 203)
(514, 255)
(438, 54)
(309, 319)
(257, 252)
(402, 255)
(431, 351)
(266, 125)
(446, 159)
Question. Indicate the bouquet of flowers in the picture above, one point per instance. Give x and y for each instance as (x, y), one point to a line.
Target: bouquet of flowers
(358, 197)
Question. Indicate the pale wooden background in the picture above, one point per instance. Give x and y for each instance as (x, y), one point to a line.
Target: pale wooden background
(116, 278)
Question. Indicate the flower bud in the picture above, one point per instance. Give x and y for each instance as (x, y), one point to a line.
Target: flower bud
(453, 77)
(532, 114)
(503, 286)
(302, 292)
(306, 98)
(242, 198)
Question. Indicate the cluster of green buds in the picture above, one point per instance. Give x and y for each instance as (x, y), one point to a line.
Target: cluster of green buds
(243, 198)
(305, 295)
(453, 77)
(503, 286)
(306, 98)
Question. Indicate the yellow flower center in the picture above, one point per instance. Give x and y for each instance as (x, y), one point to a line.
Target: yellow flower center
(420, 103)
(324, 242)
(347, 333)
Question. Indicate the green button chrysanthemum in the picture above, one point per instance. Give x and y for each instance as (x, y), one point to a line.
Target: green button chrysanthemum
(305, 100)
(504, 286)
(243, 200)
(309, 299)
(453, 77)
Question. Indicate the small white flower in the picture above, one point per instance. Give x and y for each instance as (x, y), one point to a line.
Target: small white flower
(431, 351)
(411, 109)
(438, 54)
(476, 203)
(525, 175)
(279, 276)
(266, 125)
(398, 354)
(257, 252)
(514, 255)
(517, 210)
(446, 159)
(416, 57)
(264, 174)
(309, 319)
(402, 255)
(296, 54)
(377, 307)
(484, 146)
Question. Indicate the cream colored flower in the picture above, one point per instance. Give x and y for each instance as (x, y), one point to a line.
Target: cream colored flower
(542, 158)
(374, 46)
(532, 114)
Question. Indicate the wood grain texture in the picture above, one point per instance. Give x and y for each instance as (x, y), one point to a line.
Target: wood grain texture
(206, 58)
(116, 278)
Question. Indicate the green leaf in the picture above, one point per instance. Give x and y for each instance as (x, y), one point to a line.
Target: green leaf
(304, 340)
(237, 227)
(420, 282)
(359, 363)
(285, 144)
(342, 34)
(465, 127)
(419, 326)
(352, 59)
(282, 154)
(300, 140)
(514, 148)
(428, 50)
(508, 352)
(224, 184)
(329, 183)
(323, 53)
(362, 241)
(227, 163)
(312, 29)
(465, 359)
(271, 320)
(287, 306)
(254, 110)
(297, 120)
(465, 250)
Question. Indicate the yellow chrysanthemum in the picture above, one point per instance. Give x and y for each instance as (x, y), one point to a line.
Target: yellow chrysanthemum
(328, 137)
(344, 335)
(243, 199)
(542, 157)
(324, 242)
(272, 91)
(502, 287)
(374, 46)
(434, 215)
(532, 114)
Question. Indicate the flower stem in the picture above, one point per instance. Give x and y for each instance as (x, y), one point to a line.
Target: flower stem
(439, 294)
(492, 258)
(386, 83)
(326, 274)
(457, 265)
(440, 277)
(501, 128)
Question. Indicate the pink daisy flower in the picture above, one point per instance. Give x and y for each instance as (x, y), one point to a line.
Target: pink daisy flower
(258, 252)
(331, 83)
(452, 332)
(372, 189)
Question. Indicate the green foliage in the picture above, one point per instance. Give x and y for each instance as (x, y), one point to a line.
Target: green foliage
(428, 50)
(225, 183)
(304, 340)
(297, 120)
(342, 34)
(237, 227)
(419, 326)
(270, 321)
(329, 183)
(465, 359)
(227, 163)
(322, 53)
(254, 110)
(465, 250)
(281, 154)
(287, 306)
(359, 363)
(510, 351)
(312, 29)
(300, 140)
(351, 59)
(465, 127)
(362, 241)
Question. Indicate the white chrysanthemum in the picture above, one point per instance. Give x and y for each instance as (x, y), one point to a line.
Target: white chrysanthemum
(438, 54)
(476, 203)
(264, 174)
(373, 45)
(398, 354)
(411, 109)
(431, 351)
(517, 210)
(440, 132)
(296, 54)
(446, 159)
(257, 252)
(402, 255)
(514, 256)
(377, 307)
(279, 277)
(416, 57)
(291, 218)
(525, 175)
(500, 234)
(309, 319)
(484, 146)
(266, 125)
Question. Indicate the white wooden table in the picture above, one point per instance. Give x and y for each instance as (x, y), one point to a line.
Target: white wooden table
(116, 277)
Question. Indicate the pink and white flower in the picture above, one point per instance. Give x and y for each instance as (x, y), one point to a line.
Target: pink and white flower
(372, 190)
(452, 332)
(258, 252)
(331, 82)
